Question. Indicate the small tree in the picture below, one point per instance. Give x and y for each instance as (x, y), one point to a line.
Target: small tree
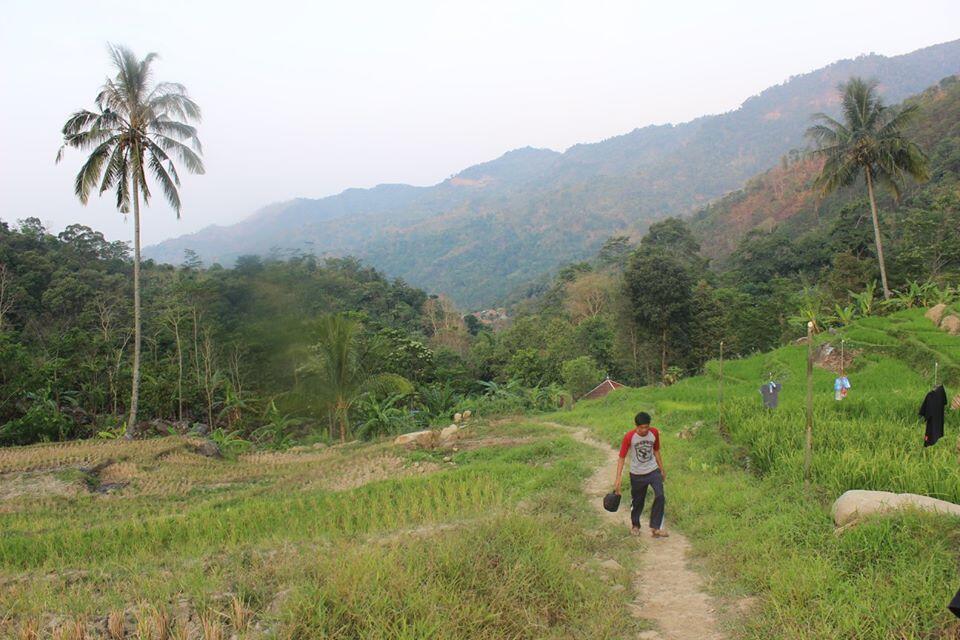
(345, 374)
(660, 292)
(580, 375)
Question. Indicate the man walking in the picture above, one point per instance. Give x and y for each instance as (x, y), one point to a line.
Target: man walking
(642, 444)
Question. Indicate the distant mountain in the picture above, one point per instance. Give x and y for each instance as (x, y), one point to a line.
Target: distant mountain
(497, 225)
(784, 197)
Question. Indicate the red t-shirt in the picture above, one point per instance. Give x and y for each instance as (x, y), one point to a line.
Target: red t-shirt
(642, 461)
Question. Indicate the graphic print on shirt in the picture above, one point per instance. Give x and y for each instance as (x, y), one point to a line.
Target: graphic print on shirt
(643, 449)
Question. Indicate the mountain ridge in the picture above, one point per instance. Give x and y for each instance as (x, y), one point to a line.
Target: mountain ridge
(495, 225)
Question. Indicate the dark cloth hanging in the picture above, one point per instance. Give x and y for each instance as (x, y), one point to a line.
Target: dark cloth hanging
(932, 409)
(954, 605)
(771, 394)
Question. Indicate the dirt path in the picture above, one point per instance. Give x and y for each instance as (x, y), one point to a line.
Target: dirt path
(670, 594)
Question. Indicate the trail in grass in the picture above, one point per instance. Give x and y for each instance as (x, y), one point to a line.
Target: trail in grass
(669, 593)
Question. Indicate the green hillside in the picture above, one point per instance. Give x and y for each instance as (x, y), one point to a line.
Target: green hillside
(495, 226)
(783, 200)
(738, 491)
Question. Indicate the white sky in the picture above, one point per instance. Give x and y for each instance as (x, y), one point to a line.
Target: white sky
(307, 99)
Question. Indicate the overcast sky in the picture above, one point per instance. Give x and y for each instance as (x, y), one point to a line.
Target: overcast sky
(309, 98)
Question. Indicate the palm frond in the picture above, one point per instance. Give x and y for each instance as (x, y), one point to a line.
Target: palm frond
(387, 383)
(166, 182)
(114, 168)
(177, 131)
(123, 188)
(177, 105)
(89, 173)
(79, 121)
(133, 131)
(187, 156)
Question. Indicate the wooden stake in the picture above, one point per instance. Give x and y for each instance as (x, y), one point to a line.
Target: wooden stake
(842, 341)
(720, 391)
(808, 453)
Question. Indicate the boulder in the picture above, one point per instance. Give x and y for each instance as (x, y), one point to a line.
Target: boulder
(207, 448)
(416, 437)
(457, 417)
(200, 429)
(449, 432)
(951, 324)
(856, 504)
(467, 414)
(935, 313)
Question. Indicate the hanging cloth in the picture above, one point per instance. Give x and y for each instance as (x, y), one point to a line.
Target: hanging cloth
(955, 405)
(954, 605)
(771, 394)
(840, 387)
(932, 410)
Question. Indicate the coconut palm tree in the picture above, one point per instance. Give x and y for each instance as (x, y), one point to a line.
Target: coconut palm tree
(344, 370)
(870, 141)
(136, 130)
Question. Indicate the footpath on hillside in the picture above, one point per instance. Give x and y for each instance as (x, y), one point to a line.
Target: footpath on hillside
(669, 593)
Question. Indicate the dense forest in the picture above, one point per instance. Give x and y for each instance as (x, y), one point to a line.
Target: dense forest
(273, 350)
(212, 335)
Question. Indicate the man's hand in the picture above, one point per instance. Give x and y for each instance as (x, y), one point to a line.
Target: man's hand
(616, 489)
(663, 473)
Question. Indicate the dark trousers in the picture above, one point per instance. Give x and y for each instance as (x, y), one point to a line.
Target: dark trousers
(638, 494)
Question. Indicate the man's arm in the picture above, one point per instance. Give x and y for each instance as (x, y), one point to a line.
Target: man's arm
(619, 477)
(663, 472)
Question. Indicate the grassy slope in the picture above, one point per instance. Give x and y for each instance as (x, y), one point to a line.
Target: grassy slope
(740, 495)
(489, 548)
(495, 546)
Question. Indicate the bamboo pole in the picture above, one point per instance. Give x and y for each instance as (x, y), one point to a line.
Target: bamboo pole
(720, 392)
(808, 453)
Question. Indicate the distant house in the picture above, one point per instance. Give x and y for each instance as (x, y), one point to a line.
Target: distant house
(602, 389)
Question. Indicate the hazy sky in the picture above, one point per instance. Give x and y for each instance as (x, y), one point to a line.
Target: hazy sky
(307, 99)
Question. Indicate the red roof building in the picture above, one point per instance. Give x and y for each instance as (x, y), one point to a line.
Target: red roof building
(602, 390)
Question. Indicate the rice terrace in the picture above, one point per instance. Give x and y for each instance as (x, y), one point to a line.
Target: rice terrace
(687, 369)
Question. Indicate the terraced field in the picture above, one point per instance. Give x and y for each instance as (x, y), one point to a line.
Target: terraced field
(738, 491)
(153, 539)
(491, 536)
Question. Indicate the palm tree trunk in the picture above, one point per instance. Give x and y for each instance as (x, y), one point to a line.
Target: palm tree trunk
(876, 236)
(135, 386)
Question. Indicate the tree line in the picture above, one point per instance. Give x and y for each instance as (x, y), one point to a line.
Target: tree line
(274, 348)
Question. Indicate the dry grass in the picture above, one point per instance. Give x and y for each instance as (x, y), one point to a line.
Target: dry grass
(194, 547)
(116, 625)
(172, 467)
(210, 626)
(240, 615)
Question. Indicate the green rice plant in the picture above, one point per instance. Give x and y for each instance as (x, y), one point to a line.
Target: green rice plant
(740, 496)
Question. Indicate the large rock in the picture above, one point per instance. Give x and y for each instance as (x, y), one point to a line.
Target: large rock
(951, 324)
(426, 437)
(856, 504)
(449, 432)
(207, 448)
(935, 313)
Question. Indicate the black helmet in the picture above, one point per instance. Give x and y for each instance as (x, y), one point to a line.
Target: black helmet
(611, 502)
